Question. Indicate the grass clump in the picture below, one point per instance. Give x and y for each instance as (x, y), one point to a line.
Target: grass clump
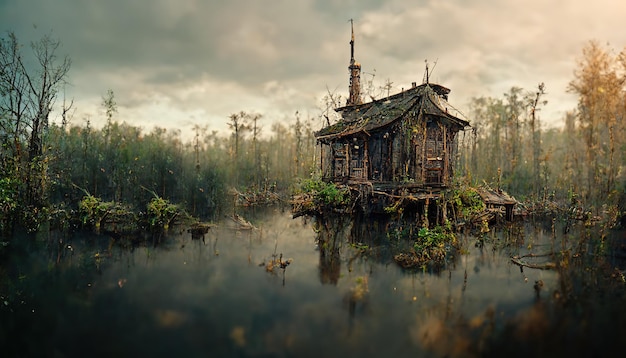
(161, 213)
(315, 195)
(325, 193)
(429, 249)
(466, 202)
(94, 210)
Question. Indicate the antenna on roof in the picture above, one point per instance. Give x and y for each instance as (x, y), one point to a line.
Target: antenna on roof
(388, 86)
(433, 69)
(427, 75)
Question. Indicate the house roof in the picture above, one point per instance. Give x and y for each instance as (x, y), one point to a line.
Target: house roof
(430, 98)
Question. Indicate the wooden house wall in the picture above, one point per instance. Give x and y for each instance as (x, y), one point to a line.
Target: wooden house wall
(421, 151)
(415, 150)
(358, 158)
(397, 157)
(406, 150)
(340, 159)
(326, 161)
(376, 158)
(379, 150)
(435, 157)
(333, 160)
(451, 150)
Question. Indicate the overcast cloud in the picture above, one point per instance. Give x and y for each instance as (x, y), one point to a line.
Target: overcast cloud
(177, 63)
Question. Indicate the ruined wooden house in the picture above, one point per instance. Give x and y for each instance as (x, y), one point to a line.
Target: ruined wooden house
(406, 140)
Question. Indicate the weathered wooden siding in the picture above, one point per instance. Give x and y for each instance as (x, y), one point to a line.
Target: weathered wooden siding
(327, 161)
(341, 158)
(397, 157)
(358, 159)
(418, 149)
(435, 155)
(379, 150)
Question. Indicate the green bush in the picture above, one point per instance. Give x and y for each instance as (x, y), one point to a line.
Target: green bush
(467, 201)
(325, 193)
(436, 238)
(93, 210)
(8, 203)
(161, 212)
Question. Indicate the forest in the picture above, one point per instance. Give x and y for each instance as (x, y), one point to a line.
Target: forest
(48, 169)
(578, 164)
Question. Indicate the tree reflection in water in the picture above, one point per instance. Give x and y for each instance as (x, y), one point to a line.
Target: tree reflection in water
(345, 296)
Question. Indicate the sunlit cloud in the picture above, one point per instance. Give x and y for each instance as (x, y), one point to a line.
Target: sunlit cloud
(174, 63)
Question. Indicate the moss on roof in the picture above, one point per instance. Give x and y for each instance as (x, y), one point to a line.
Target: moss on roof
(429, 98)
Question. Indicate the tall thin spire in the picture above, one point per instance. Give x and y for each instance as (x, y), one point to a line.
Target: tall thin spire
(352, 42)
(354, 97)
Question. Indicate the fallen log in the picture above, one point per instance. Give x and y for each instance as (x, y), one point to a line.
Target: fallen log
(545, 266)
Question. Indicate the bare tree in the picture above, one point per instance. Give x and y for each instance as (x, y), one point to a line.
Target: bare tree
(239, 124)
(28, 90)
(110, 108)
(535, 129)
(256, 132)
(13, 101)
(44, 88)
(330, 102)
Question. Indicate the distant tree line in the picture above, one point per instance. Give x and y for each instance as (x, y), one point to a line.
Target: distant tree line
(121, 163)
(583, 160)
(46, 166)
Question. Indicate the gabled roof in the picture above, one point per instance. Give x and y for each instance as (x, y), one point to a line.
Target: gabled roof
(430, 98)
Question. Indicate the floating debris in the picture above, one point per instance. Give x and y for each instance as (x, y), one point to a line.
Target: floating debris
(170, 318)
(238, 335)
(540, 266)
(276, 263)
(199, 230)
(241, 223)
(121, 282)
(360, 291)
(255, 198)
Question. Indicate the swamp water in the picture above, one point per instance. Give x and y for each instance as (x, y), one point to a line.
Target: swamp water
(222, 297)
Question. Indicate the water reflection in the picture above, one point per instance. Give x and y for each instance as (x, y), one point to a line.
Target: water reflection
(341, 295)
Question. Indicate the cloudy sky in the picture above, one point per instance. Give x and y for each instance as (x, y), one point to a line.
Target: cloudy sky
(176, 63)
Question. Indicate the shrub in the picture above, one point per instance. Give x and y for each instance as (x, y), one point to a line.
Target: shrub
(325, 193)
